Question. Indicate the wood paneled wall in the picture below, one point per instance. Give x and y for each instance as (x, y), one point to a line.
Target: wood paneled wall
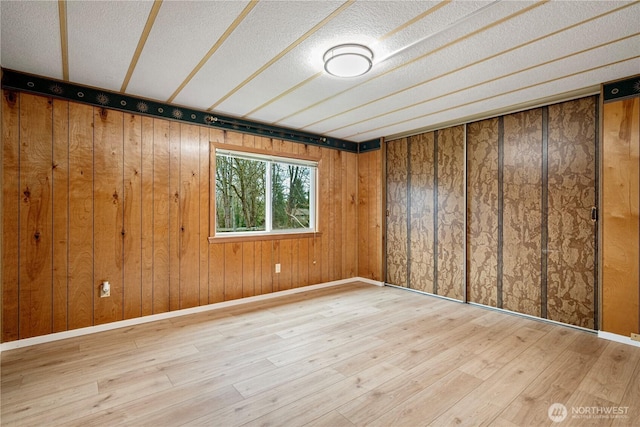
(91, 194)
(426, 215)
(621, 218)
(530, 186)
(370, 215)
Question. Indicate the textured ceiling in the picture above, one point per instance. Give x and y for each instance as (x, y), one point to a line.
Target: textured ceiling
(435, 62)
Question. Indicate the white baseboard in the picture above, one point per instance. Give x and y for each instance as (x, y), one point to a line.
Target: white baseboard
(618, 338)
(171, 314)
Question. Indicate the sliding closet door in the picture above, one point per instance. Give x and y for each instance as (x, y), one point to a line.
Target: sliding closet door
(571, 189)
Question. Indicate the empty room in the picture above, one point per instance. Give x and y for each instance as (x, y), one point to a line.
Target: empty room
(320, 213)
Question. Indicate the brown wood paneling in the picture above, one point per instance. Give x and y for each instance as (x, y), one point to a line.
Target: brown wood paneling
(174, 214)
(36, 226)
(204, 206)
(132, 285)
(451, 212)
(10, 213)
(315, 260)
(571, 247)
(216, 273)
(522, 212)
(257, 267)
(284, 259)
(60, 196)
(421, 258)
(302, 262)
(364, 214)
(338, 190)
(350, 215)
(621, 217)
(482, 211)
(267, 267)
(325, 211)
(295, 270)
(232, 271)
(189, 216)
(397, 233)
(108, 213)
(375, 226)
(248, 269)
(146, 225)
(81, 208)
(161, 202)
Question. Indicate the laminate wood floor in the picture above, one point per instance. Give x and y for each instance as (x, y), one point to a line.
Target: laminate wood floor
(354, 354)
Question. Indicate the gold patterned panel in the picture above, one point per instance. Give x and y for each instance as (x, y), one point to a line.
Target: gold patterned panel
(397, 212)
(422, 183)
(482, 211)
(522, 219)
(571, 194)
(451, 231)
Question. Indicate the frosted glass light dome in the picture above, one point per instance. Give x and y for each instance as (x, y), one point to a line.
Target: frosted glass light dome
(348, 60)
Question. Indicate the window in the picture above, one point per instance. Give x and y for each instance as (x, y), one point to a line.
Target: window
(263, 194)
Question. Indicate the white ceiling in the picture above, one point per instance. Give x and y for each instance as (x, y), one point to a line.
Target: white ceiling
(435, 62)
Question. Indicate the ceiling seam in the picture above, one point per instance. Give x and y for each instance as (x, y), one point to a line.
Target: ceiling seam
(601, 45)
(285, 51)
(64, 38)
(153, 13)
(467, 66)
(466, 36)
(320, 73)
(498, 95)
(234, 25)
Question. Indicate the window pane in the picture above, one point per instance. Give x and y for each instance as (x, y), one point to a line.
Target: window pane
(240, 194)
(291, 187)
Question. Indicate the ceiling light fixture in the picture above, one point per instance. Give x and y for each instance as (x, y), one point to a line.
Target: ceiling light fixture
(348, 60)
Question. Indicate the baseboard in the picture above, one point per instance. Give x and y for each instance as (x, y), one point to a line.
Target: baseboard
(618, 338)
(11, 345)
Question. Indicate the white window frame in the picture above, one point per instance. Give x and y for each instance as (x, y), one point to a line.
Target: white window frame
(270, 159)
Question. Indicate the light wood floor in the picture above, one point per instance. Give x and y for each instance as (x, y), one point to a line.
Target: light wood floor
(348, 355)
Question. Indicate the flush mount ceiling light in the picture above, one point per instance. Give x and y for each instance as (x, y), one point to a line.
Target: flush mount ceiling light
(348, 60)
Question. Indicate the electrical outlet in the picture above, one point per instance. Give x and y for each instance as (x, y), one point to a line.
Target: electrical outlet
(277, 268)
(635, 337)
(105, 290)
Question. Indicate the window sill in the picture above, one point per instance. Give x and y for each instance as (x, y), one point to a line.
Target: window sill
(264, 237)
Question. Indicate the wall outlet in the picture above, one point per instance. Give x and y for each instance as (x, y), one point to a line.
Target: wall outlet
(277, 268)
(105, 290)
(635, 337)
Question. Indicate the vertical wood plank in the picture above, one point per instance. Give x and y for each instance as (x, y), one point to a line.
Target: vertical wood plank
(522, 211)
(232, 271)
(294, 262)
(60, 196)
(161, 200)
(248, 269)
(204, 207)
(216, 273)
(375, 224)
(81, 208)
(36, 126)
(364, 215)
(621, 216)
(350, 216)
(482, 211)
(257, 272)
(338, 195)
(132, 216)
(275, 259)
(303, 263)
(315, 260)
(284, 278)
(325, 220)
(108, 213)
(147, 215)
(397, 175)
(267, 267)
(422, 212)
(571, 189)
(10, 213)
(451, 214)
(174, 215)
(189, 216)
(233, 138)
